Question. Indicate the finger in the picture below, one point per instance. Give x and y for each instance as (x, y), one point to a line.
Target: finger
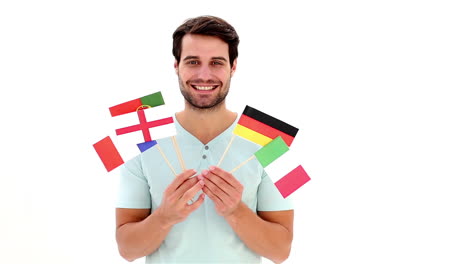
(228, 177)
(211, 195)
(190, 193)
(192, 207)
(215, 182)
(222, 196)
(184, 187)
(179, 180)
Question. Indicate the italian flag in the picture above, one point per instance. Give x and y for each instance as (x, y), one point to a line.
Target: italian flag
(282, 166)
(262, 128)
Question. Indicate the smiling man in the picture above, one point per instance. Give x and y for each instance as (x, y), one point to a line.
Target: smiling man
(206, 87)
(205, 214)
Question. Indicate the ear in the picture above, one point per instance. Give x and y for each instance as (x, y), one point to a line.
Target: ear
(176, 67)
(234, 67)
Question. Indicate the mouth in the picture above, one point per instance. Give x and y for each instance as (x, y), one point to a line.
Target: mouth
(204, 87)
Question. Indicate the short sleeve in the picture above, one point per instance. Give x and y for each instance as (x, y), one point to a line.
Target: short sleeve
(269, 198)
(133, 187)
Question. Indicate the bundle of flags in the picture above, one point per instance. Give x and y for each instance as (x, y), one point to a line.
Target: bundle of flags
(149, 118)
(148, 115)
(276, 137)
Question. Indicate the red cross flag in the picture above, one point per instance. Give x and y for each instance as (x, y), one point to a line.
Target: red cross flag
(149, 124)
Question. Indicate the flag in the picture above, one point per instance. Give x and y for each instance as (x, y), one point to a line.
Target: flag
(146, 145)
(151, 100)
(282, 166)
(287, 174)
(152, 123)
(108, 153)
(271, 151)
(292, 181)
(111, 151)
(133, 116)
(261, 128)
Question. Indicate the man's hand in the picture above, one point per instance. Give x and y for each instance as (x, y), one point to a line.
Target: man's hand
(174, 207)
(223, 188)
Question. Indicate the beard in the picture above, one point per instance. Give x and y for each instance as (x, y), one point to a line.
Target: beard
(210, 105)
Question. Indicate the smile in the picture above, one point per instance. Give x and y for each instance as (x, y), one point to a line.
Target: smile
(204, 88)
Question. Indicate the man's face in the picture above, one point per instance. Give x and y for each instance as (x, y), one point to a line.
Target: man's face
(204, 71)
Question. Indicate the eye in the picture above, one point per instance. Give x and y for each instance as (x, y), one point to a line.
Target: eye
(192, 62)
(217, 63)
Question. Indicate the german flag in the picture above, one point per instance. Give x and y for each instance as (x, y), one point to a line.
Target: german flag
(262, 128)
(151, 100)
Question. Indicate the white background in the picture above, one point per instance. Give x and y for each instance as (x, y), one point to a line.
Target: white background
(377, 88)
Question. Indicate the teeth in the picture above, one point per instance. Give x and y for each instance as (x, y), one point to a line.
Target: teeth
(205, 88)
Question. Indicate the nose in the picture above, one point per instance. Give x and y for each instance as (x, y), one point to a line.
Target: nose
(204, 72)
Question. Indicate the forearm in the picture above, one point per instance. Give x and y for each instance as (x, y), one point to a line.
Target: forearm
(139, 239)
(270, 240)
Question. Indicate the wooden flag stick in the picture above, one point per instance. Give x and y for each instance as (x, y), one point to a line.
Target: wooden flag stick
(179, 156)
(165, 158)
(226, 150)
(178, 152)
(242, 164)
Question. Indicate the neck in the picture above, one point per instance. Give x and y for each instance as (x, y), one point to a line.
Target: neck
(206, 124)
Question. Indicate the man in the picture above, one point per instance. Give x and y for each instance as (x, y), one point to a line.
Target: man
(205, 214)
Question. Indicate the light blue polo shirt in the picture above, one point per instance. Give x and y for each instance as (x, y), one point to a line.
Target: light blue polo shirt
(204, 237)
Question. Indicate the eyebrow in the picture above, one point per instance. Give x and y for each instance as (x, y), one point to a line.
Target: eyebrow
(219, 58)
(191, 58)
(197, 57)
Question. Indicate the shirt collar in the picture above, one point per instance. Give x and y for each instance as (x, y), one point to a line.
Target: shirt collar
(225, 135)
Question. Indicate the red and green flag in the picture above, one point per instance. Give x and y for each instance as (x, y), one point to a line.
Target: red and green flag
(151, 100)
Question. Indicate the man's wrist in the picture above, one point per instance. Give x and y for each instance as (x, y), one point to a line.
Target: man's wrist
(237, 214)
(164, 223)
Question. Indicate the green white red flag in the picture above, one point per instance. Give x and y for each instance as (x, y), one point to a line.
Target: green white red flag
(282, 166)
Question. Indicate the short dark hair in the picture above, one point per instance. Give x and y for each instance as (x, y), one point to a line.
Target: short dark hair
(208, 26)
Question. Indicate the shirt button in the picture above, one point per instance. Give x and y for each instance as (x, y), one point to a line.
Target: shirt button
(206, 147)
(204, 156)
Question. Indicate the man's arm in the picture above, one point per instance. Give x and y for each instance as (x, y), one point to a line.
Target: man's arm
(140, 233)
(269, 234)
